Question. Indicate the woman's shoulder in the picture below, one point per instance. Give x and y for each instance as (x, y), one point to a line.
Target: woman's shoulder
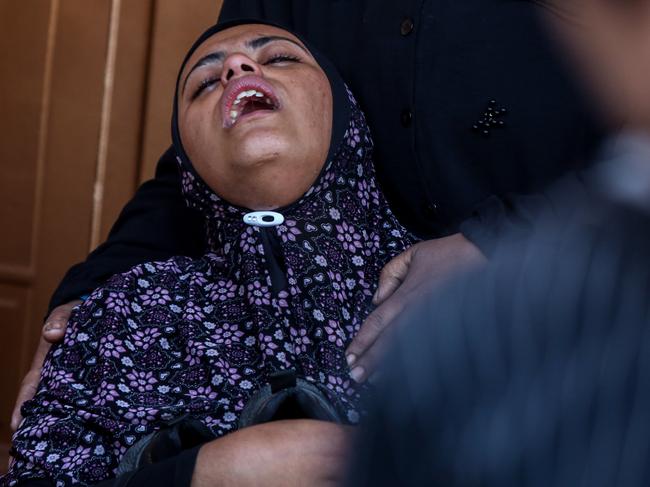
(154, 282)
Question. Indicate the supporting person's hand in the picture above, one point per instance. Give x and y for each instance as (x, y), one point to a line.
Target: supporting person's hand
(52, 332)
(404, 279)
(287, 453)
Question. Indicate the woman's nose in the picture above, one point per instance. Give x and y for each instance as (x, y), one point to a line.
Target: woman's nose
(237, 65)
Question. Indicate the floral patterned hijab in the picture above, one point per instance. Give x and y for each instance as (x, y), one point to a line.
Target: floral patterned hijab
(198, 336)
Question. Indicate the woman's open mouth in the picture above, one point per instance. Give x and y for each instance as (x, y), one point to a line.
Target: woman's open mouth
(244, 96)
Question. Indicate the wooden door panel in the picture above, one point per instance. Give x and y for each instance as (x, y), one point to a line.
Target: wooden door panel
(51, 102)
(22, 58)
(122, 151)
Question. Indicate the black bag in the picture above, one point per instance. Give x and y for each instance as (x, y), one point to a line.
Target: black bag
(286, 396)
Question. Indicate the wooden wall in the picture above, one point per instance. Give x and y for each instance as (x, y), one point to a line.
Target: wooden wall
(85, 101)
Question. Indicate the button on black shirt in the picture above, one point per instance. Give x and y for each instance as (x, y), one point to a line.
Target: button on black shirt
(406, 117)
(407, 26)
(431, 210)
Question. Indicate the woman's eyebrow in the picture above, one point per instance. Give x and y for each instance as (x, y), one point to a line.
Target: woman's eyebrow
(264, 40)
(212, 58)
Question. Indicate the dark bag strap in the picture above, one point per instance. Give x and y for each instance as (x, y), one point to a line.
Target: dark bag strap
(177, 436)
(287, 396)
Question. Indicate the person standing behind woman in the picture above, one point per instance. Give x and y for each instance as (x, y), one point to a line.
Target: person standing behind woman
(473, 116)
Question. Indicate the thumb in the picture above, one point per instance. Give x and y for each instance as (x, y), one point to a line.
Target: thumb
(392, 276)
(57, 322)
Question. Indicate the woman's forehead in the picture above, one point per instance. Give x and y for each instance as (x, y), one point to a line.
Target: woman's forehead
(238, 36)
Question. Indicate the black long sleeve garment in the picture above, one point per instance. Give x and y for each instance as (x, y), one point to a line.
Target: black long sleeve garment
(471, 109)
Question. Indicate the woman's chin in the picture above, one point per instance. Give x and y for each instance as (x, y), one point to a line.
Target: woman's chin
(262, 147)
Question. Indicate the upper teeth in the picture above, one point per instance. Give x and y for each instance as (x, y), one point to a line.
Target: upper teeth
(234, 113)
(248, 94)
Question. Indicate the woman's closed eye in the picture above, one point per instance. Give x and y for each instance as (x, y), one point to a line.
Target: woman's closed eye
(206, 83)
(282, 58)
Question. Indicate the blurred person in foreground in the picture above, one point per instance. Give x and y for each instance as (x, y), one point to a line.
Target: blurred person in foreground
(537, 371)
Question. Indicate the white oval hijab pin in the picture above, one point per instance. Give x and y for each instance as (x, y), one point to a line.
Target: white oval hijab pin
(263, 218)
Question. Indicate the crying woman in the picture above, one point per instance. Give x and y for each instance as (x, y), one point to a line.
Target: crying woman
(237, 356)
